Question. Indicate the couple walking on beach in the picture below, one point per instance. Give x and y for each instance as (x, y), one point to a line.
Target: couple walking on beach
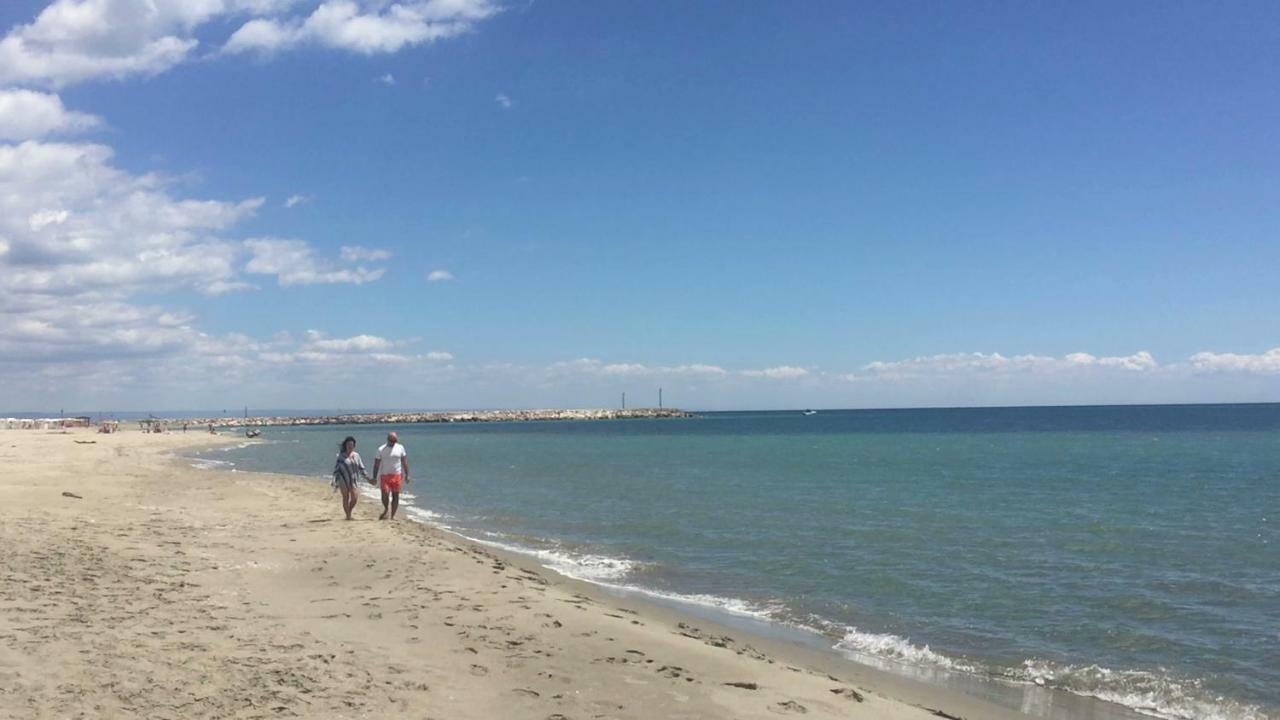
(390, 473)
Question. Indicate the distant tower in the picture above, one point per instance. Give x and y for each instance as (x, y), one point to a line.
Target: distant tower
(624, 401)
(246, 412)
(659, 398)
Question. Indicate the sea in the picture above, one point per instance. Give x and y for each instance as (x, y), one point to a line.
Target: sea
(1125, 553)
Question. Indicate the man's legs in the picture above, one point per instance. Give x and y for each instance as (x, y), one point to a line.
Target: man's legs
(386, 503)
(395, 503)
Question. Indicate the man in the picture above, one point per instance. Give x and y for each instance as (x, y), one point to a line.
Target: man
(391, 467)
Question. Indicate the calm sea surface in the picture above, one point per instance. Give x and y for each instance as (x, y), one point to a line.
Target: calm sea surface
(1126, 553)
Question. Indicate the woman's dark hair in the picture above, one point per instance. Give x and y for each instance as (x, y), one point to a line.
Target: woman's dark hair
(343, 446)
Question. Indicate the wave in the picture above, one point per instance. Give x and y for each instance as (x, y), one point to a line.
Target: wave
(886, 646)
(602, 570)
(586, 567)
(210, 463)
(1161, 693)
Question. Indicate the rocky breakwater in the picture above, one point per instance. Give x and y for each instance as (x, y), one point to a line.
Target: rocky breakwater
(454, 416)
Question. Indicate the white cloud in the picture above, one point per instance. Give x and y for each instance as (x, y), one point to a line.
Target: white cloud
(77, 40)
(387, 79)
(77, 225)
(296, 200)
(504, 101)
(378, 28)
(781, 372)
(1266, 363)
(439, 276)
(61, 331)
(41, 219)
(294, 263)
(957, 364)
(357, 343)
(592, 367)
(437, 356)
(357, 253)
(31, 115)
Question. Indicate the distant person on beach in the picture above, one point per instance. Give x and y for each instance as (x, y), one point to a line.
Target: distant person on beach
(391, 467)
(347, 470)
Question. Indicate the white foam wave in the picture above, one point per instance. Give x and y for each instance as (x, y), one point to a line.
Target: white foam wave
(602, 570)
(588, 567)
(886, 646)
(733, 606)
(606, 571)
(210, 464)
(1155, 693)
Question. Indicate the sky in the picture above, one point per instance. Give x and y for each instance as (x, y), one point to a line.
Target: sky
(474, 203)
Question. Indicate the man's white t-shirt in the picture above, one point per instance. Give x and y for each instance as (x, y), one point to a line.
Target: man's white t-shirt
(389, 458)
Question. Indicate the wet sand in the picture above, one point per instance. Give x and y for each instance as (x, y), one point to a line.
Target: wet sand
(166, 592)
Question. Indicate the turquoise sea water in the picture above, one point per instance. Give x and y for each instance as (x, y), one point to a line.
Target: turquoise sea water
(1125, 553)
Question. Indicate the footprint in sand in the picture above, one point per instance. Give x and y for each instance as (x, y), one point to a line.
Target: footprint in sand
(848, 693)
(789, 707)
(479, 670)
(527, 692)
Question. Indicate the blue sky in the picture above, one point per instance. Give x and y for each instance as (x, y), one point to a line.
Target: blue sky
(751, 204)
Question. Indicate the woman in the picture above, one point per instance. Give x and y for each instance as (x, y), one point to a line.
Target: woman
(346, 470)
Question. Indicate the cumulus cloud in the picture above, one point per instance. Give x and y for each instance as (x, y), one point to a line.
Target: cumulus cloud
(41, 330)
(781, 372)
(439, 276)
(439, 356)
(294, 201)
(357, 343)
(977, 362)
(31, 115)
(367, 29)
(76, 224)
(77, 40)
(597, 368)
(1267, 363)
(357, 253)
(293, 262)
(504, 101)
(80, 238)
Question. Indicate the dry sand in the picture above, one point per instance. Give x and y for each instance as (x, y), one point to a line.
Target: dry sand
(164, 592)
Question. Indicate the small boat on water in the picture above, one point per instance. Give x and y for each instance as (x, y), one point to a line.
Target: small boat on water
(252, 433)
(810, 412)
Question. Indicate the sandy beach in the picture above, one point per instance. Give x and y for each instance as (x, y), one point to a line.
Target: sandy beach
(167, 592)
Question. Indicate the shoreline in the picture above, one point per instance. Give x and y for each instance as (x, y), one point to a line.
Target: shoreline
(1034, 686)
(155, 589)
(162, 591)
(895, 655)
(918, 684)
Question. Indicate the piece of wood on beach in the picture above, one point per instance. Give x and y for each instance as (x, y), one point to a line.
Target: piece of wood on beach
(66, 493)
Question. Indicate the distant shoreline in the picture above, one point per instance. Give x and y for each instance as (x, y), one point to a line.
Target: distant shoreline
(412, 418)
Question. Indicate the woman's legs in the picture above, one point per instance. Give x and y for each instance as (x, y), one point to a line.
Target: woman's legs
(348, 500)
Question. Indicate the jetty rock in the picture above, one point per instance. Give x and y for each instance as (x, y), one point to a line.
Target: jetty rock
(451, 416)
